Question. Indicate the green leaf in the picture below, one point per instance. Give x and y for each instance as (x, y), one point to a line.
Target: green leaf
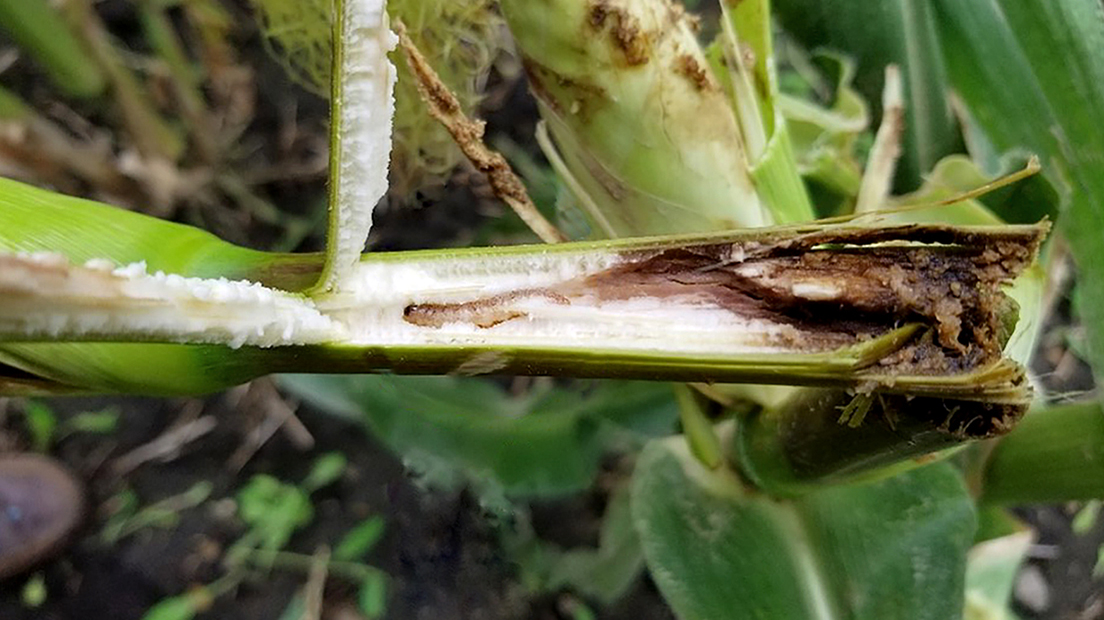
(182, 607)
(34, 592)
(991, 571)
(1055, 454)
(547, 442)
(605, 573)
(296, 608)
(890, 549)
(95, 422)
(1086, 517)
(1032, 75)
(123, 505)
(826, 138)
(127, 519)
(360, 540)
(273, 509)
(37, 220)
(897, 32)
(41, 425)
(39, 30)
(326, 470)
(372, 598)
(153, 369)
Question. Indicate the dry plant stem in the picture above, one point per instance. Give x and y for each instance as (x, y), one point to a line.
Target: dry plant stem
(148, 131)
(445, 108)
(46, 151)
(160, 32)
(316, 584)
(278, 414)
(882, 162)
(213, 25)
(168, 445)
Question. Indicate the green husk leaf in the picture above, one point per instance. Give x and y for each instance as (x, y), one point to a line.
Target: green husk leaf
(749, 79)
(891, 549)
(779, 181)
(12, 107)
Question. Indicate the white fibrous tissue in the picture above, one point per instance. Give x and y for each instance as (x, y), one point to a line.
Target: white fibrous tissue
(364, 116)
(548, 305)
(45, 296)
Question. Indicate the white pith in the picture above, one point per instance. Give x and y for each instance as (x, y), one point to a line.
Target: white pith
(377, 293)
(47, 297)
(365, 115)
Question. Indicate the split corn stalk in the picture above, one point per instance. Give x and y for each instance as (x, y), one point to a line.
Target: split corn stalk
(98, 299)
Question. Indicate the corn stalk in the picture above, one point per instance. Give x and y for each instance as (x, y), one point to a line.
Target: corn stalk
(97, 299)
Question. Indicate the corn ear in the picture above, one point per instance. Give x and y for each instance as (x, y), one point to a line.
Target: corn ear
(641, 125)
